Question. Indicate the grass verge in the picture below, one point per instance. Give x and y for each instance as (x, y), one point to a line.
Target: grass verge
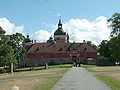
(111, 82)
(32, 80)
(88, 67)
(48, 83)
(107, 78)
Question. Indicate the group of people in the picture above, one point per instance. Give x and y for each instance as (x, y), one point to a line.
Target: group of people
(76, 64)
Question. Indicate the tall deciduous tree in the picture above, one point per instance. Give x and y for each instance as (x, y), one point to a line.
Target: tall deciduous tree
(104, 49)
(6, 53)
(114, 42)
(115, 24)
(114, 47)
(17, 43)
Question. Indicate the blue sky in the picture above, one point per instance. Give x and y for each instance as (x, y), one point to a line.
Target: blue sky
(36, 15)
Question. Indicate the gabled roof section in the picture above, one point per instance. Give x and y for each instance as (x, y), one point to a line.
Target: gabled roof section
(60, 48)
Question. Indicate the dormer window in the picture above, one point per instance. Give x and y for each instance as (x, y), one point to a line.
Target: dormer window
(36, 50)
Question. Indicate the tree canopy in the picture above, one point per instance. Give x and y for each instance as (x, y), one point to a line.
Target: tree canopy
(12, 48)
(17, 43)
(111, 48)
(2, 31)
(115, 24)
(104, 49)
(6, 52)
(114, 47)
(114, 42)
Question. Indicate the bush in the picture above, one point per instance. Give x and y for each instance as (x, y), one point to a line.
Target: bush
(2, 70)
(104, 61)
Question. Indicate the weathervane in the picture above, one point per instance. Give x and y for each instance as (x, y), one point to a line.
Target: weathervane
(60, 19)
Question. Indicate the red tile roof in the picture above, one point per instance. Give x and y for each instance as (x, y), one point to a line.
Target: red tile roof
(59, 48)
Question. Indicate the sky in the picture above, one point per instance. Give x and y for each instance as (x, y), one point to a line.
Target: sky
(82, 19)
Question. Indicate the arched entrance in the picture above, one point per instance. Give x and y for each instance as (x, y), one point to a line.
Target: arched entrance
(75, 61)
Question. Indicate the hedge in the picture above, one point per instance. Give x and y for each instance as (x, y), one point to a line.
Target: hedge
(104, 61)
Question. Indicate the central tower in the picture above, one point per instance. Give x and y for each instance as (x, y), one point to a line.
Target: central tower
(60, 36)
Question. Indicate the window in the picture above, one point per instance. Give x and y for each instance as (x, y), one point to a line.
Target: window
(58, 38)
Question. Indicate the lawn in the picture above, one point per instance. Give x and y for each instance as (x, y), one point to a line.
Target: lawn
(48, 83)
(110, 81)
(33, 80)
(110, 75)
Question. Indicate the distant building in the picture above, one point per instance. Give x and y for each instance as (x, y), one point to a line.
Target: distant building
(58, 50)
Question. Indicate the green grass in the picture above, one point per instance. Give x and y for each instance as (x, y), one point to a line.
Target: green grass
(55, 69)
(45, 83)
(60, 66)
(51, 81)
(111, 82)
(48, 84)
(88, 67)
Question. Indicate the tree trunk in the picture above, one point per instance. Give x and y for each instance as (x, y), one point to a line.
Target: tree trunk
(11, 68)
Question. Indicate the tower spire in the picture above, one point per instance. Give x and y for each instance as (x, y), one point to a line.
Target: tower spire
(60, 23)
(60, 20)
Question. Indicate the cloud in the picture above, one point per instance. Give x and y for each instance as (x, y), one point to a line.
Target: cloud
(41, 35)
(79, 30)
(82, 29)
(9, 27)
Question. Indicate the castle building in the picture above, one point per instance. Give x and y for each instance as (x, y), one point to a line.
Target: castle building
(58, 50)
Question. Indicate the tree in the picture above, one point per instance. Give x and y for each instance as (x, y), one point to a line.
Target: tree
(17, 43)
(104, 49)
(92, 45)
(114, 42)
(6, 53)
(2, 31)
(105, 54)
(115, 24)
(114, 47)
(111, 49)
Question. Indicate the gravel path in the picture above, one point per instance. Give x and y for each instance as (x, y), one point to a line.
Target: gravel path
(78, 78)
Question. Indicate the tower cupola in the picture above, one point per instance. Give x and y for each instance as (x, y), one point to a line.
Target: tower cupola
(59, 34)
(59, 31)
